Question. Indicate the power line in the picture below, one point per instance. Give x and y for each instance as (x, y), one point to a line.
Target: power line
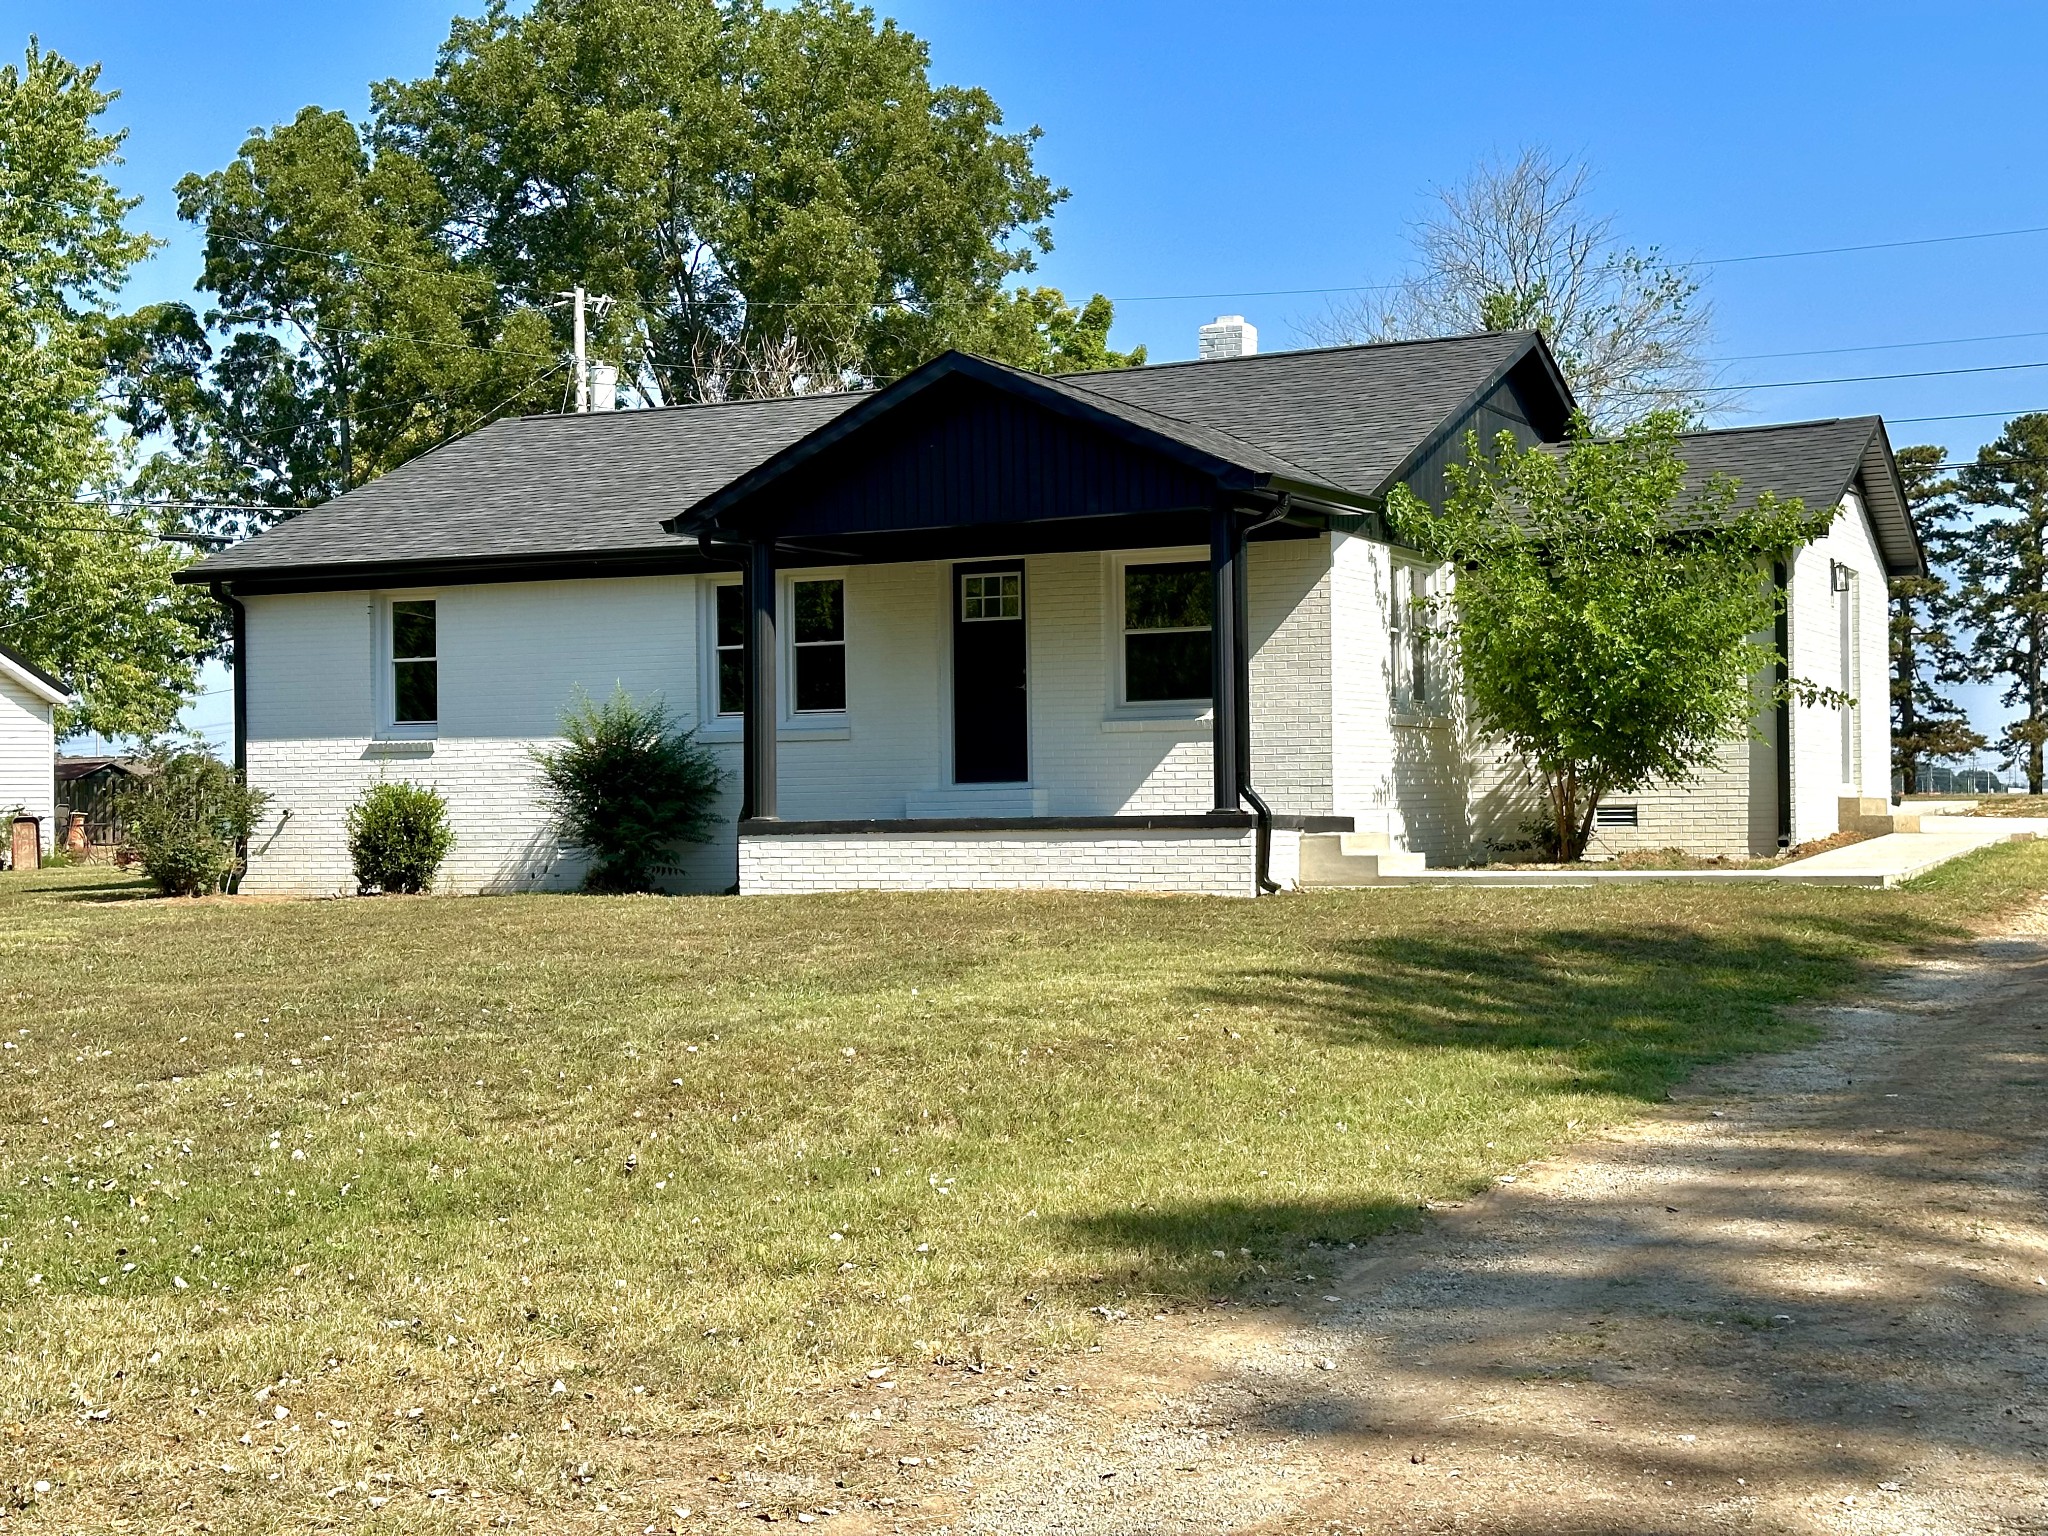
(1861, 378)
(1880, 346)
(2032, 410)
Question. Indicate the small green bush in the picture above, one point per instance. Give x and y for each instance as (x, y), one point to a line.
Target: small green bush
(627, 785)
(398, 834)
(189, 818)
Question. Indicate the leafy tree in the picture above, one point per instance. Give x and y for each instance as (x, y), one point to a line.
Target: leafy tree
(345, 336)
(628, 785)
(1517, 245)
(1927, 724)
(1604, 618)
(726, 170)
(2000, 555)
(1036, 328)
(85, 588)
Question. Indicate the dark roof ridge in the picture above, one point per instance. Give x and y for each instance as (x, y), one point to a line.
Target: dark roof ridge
(1126, 408)
(1254, 357)
(687, 405)
(1785, 426)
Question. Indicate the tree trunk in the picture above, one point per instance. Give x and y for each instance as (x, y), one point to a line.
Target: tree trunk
(2034, 703)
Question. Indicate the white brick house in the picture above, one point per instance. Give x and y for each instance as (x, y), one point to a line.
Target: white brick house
(983, 628)
(29, 701)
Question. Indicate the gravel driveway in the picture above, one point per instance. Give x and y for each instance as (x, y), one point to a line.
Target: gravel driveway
(1810, 1295)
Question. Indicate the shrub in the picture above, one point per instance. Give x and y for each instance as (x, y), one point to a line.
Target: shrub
(398, 834)
(627, 785)
(189, 817)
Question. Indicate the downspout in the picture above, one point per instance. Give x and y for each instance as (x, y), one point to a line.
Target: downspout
(1782, 635)
(238, 629)
(1263, 813)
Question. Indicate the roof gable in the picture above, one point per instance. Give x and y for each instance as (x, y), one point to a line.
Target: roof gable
(963, 441)
(1819, 462)
(23, 673)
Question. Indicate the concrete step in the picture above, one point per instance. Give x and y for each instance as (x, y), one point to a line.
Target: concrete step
(1354, 858)
(1867, 813)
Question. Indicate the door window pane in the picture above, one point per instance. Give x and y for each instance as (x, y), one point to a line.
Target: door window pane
(415, 671)
(1168, 638)
(998, 596)
(818, 646)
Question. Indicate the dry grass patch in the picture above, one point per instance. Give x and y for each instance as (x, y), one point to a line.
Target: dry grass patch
(540, 1212)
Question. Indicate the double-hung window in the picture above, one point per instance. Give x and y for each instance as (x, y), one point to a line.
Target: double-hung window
(415, 668)
(1415, 684)
(1168, 633)
(818, 646)
(730, 642)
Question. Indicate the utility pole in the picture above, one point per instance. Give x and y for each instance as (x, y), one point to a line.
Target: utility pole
(582, 362)
(579, 298)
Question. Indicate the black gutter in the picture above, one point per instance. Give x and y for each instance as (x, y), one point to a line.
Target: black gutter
(1782, 639)
(238, 626)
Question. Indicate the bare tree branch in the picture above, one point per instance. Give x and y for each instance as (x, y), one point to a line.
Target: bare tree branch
(1515, 245)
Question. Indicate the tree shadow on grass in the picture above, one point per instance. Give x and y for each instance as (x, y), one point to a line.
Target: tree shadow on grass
(1812, 1296)
(1626, 1010)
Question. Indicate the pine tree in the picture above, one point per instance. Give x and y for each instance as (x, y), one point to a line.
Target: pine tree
(2001, 558)
(1927, 724)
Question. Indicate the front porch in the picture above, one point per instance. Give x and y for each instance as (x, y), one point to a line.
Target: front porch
(984, 635)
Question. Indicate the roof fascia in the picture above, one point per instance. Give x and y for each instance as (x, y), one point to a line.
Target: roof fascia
(265, 581)
(1879, 466)
(26, 674)
(949, 365)
(1535, 345)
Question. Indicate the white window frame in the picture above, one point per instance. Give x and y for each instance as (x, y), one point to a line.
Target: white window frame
(786, 584)
(1407, 637)
(1848, 639)
(716, 725)
(389, 726)
(1120, 709)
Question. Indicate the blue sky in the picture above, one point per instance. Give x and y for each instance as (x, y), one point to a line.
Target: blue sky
(1235, 151)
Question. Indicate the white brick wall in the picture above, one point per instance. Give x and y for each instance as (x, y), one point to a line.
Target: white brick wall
(1817, 779)
(1325, 739)
(513, 654)
(1202, 862)
(28, 760)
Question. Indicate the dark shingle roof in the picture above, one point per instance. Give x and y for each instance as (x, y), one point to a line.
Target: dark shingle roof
(538, 485)
(1350, 416)
(1819, 462)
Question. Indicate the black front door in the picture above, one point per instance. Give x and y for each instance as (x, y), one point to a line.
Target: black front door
(990, 742)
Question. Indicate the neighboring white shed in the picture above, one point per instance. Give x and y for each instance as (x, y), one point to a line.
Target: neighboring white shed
(29, 699)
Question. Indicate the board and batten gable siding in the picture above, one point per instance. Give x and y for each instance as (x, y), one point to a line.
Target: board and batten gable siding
(1505, 408)
(513, 655)
(978, 457)
(28, 758)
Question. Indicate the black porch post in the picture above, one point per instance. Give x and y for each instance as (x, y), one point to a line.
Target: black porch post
(757, 795)
(1226, 551)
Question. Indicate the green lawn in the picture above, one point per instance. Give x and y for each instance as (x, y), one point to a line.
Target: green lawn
(703, 1162)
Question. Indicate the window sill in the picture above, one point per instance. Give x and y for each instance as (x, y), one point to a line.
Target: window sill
(1184, 724)
(1410, 720)
(400, 746)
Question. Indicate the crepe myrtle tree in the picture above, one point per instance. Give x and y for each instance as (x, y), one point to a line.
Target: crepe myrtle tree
(1608, 621)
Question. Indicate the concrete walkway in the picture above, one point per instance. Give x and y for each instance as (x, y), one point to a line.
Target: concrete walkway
(1877, 861)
